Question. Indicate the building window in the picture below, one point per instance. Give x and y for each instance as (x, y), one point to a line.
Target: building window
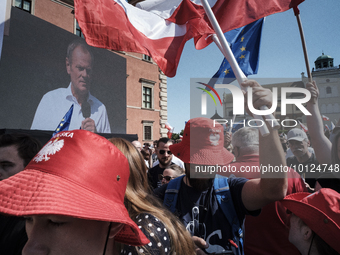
(78, 31)
(328, 90)
(147, 130)
(25, 5)
(147, 96)
(147, 93)
(147, 133)
(146, 57)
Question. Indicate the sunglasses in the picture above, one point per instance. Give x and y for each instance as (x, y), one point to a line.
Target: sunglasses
(163, 151)
(167, 178)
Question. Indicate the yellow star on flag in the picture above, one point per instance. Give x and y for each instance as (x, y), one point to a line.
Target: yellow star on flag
(242, 38)
(242, 56)
(226, 71)
(243, 48)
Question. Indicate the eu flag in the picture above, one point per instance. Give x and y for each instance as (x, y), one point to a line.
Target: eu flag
(237, 126)
(245, 45)
(65, 122)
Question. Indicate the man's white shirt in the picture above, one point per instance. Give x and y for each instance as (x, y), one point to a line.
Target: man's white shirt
(56, 103)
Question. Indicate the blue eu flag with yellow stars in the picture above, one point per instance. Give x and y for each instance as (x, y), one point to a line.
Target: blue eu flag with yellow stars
(65, 122)
(245, 45)
(237, 126)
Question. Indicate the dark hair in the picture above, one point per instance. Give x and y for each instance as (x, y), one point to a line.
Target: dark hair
(163, 140)
(323, 247)
(73, 45)
(27, 146)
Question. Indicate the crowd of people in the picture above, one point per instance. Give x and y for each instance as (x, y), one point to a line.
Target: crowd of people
(207, 194)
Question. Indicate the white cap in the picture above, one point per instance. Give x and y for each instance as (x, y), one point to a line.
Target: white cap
(296, 134)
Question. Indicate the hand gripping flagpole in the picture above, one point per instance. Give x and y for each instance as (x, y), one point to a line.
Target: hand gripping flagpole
(222, 43)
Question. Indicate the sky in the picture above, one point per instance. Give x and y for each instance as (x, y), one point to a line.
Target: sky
(281, 54)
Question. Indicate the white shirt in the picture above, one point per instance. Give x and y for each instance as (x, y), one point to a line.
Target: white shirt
(55, 104)
(174, 160)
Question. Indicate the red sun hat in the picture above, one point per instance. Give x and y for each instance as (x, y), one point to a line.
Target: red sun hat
(202, 143)
(320, 211)
(78, 174)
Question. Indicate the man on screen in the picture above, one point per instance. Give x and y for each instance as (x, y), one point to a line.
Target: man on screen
(84, 110)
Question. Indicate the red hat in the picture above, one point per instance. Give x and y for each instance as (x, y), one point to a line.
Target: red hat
(78, 174)
(202, 143)
(320, 211)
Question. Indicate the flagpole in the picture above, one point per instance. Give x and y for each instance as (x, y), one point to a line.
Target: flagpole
(303, 41)
(222, 41)
(231, 126)
(304, 47)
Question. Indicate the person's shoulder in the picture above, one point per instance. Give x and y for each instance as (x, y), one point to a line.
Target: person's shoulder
(55, 92)
(157, 233)
(155, 230)
(234, 181)
(291, 160)
(154, 169)
(96, 101)
(160, 191)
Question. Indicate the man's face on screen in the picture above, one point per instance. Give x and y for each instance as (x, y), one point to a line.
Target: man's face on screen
(79, 67)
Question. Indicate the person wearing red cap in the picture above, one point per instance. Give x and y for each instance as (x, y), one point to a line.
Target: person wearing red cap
(72, 196)
(314, 221)
(197, 204)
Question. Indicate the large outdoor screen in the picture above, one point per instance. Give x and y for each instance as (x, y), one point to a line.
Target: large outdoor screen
(33, 63)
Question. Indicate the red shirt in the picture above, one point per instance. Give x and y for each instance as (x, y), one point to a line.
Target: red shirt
(266, 234)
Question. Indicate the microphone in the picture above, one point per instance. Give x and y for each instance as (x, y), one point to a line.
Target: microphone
(86, 109)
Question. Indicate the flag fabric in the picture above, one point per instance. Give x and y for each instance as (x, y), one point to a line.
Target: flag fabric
(326, 127)
(160, 28)
(65, 122)
(304, 128)
(332, 126)
(238, 125)
(170, 130)
(245, 45)
(325, 117)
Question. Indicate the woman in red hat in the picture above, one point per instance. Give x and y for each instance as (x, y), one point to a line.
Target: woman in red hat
(166, 233)
(314, 221)
(72, 196)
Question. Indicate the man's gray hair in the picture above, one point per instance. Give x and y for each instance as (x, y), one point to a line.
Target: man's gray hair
(74, 44)
(247, 140)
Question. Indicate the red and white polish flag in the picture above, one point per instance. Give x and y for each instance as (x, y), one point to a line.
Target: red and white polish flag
(160, 28)
(303, 127)
(325, 117)
(170, 130)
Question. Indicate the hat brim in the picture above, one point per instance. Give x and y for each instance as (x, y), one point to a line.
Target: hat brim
(201, 156)
(33, 192)
(297, 138)
(317, 220)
